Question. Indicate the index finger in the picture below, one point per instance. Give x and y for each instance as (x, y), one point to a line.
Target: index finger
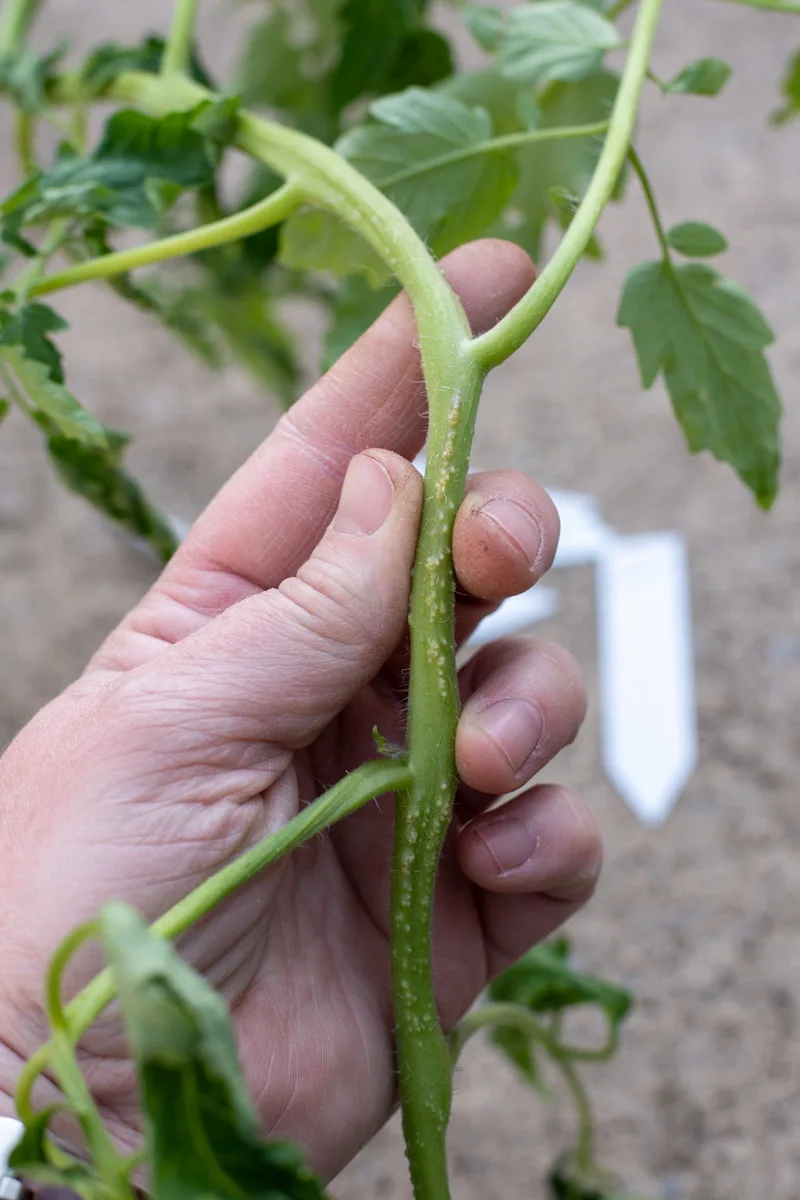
(266, 520)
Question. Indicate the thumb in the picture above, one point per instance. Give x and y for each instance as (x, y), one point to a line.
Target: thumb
(280, 665)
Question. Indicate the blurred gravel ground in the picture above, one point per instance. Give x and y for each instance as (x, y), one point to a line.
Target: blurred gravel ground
(699, 918)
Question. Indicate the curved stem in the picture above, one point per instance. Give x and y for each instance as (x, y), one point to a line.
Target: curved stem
(516, 327)
(453, 383)
(179, 44)
(270, 211)
(649, 196)
(514, 1016)
(55, 971)
(356, 789)
(15, 17)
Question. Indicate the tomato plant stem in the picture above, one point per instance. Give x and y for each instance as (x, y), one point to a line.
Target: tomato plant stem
(270, 211)
(15, 17)
(178, 50)
(649, 196)
(516, 327)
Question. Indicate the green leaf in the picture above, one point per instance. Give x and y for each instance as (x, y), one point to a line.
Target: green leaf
(141, 162)
(485, 23)
(5, 408)
(253, 336)
(106, 62)
(218, 119)
(554, 39)
(791, 93)
(429, 153)
(109, 60)
(28, 328)
(566, 164)
(25, 75)
(706, 77)
(695, 239)
(543, 981)
(707, 337)
(565, 1182)
(201, 1128)
(374, 33)
(423, 58)
(52, 400)
(314, 240)
(97, 474)
(30, 1159)
(356, 306)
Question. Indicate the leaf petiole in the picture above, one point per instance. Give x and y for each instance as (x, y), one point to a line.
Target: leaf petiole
(178, 49)
(649, 196)
(515, 328)
(270, 211)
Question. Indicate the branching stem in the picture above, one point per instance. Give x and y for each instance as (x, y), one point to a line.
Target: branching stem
(516, 327)
(270, 211)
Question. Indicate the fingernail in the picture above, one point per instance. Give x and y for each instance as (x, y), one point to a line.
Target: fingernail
(367, 495)
(509, 842)
(519, 526)
(515, 726)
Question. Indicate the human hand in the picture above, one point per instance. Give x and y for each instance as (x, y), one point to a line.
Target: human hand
(248, 681)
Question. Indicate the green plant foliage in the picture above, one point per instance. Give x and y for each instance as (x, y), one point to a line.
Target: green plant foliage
(695, 239)
(432, 157)
(356, 306)
(791, 93)
(138, 170)
(567, 164)
(97, 474)
(201, 1130)
(706, 77)
(25, 75)
(544, 982)
(485, 24)
(32, 1160)
(707, 337)
(554, 39)
(28, 354)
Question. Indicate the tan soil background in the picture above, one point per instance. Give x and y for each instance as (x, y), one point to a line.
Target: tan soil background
(702, 918)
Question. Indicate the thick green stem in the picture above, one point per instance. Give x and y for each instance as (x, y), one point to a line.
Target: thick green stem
(516, 327)
(179, 44)
(453, 375)
(424, 810)
(270, 211)
(15, 17)
(356, 789)
(453, 385)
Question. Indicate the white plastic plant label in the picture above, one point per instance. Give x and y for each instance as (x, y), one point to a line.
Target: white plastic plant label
(648, 717)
